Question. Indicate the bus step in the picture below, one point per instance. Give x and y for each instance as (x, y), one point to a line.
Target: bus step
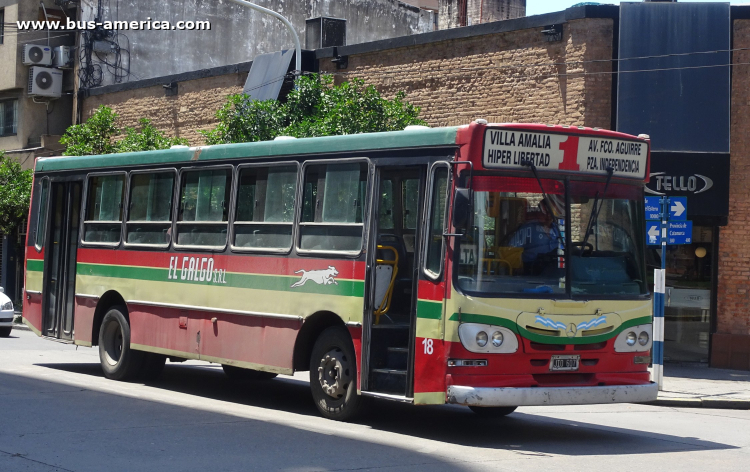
(388, 381)
(399, 349)
(390, 326)
(396, 358)
(389, 371)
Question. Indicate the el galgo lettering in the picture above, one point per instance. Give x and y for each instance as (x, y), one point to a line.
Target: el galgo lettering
(196, 269)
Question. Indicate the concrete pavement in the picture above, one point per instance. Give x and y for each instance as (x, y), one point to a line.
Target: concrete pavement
(61, 414)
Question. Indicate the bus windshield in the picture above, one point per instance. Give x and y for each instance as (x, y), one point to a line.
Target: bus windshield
(517, 244)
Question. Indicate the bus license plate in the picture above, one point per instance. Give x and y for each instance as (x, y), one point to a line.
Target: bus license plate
(564, 363)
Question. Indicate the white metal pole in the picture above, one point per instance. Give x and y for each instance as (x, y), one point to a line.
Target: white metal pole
(297, 48)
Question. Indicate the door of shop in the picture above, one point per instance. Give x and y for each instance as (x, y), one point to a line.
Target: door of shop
(689, 291)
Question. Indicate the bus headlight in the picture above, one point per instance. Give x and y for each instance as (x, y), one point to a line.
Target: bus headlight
(634, 339)
(475, 338)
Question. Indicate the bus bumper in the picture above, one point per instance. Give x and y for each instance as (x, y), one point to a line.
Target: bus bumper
(538, 396)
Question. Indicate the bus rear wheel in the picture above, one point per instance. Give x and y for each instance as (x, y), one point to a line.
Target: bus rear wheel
(493, 411)
(333, 375)
(239, 374)
(118, 360)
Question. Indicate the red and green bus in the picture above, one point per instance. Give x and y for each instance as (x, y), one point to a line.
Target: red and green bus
(487, 265)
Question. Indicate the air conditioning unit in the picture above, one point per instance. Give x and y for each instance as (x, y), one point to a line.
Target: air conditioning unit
(45, 82)
(62, 57)
(37, 55)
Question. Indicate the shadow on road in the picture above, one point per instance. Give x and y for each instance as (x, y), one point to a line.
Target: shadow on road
(58, 426)
(521, 432)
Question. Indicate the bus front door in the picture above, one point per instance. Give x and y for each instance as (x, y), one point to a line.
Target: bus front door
(60, 263)
(393, 279)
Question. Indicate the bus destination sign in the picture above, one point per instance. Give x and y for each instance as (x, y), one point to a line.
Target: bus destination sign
(508, 149)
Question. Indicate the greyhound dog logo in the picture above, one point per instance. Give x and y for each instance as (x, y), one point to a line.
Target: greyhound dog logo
(320, 277)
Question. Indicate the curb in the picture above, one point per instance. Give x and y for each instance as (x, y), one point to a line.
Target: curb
(702, 403)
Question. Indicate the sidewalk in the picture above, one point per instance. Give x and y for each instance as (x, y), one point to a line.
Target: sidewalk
(697, 386)
(690, 386)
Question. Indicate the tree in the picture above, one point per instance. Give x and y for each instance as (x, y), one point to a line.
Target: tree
(92, 137)
(314, 108)
(15, 194)
(97, 136)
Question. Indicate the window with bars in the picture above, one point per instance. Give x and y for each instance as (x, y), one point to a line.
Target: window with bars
(8, 117)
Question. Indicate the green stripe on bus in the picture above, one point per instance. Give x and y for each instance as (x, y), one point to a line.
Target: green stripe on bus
(429, 310)
(350, 288)
(35, 265)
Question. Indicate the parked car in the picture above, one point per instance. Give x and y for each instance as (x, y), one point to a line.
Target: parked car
(6, 314)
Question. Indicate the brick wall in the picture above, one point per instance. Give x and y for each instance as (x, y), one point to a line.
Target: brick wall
(731, 344)
(512, 76)
(192, 109)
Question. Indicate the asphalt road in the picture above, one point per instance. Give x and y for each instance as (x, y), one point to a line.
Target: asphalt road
(58, 413)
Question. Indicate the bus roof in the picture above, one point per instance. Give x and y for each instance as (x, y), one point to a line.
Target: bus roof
(410, 138)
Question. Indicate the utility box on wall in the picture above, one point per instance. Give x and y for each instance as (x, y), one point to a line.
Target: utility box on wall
(324, 32)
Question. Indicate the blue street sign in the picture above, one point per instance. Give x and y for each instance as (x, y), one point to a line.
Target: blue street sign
(678, 232)
(652, 208)
(677, 208)
(652, 233)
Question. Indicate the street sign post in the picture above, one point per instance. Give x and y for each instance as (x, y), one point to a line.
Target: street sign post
(666, 224)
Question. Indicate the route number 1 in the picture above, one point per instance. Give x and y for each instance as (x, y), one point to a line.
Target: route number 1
(427, 343)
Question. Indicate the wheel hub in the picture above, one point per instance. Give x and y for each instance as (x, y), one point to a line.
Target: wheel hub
(333, 373)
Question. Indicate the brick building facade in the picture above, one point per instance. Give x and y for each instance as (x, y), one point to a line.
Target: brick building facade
(509, 71)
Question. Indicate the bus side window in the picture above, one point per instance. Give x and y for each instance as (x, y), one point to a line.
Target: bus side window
(265, 207)
(104, 198)
(435, 240)
(333, 207)
(41, 223)
(204, 208)
(150, 215)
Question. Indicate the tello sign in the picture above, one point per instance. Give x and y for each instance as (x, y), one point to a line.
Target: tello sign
(678, 183)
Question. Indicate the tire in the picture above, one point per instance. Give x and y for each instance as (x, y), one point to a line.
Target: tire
(153, 365)
(5, 332)
(333, 375)
(238, 374)
(493, 411)
(118, 360)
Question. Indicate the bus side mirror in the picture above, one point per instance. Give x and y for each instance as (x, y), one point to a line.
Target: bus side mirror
(462, 209)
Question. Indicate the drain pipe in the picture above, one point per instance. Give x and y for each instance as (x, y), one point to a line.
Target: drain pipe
(297, 48)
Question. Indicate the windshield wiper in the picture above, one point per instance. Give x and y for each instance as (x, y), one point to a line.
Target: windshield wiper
(594, 218)
(545, 198)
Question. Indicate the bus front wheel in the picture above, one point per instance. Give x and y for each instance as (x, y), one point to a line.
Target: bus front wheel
(118, 360)
(493, 411)
(333, 375)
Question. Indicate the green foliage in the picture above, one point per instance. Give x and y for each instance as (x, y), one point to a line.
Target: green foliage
(15, 194)
(314, 108)
(92, 137)
(96, 136)
(147, 139)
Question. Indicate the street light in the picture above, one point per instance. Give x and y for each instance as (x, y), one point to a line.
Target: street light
(297, 48)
